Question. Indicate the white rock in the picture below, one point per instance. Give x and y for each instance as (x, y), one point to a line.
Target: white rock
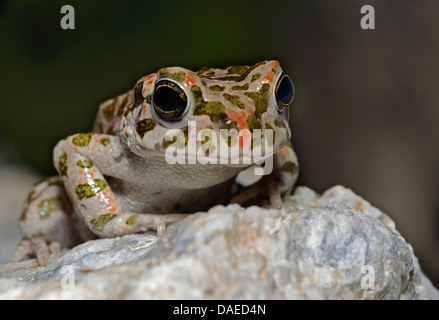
(318, 247)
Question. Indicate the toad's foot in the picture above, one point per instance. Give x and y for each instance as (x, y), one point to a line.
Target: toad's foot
(267, 185)
(38, 247)
(160, 222)
(111, 225)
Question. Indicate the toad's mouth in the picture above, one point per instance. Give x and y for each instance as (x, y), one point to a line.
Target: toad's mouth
(225, 156)
(230, 148)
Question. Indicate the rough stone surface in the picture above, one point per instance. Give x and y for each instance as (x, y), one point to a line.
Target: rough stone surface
(317, 247)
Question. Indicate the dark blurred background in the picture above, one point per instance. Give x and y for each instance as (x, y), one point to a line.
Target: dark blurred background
(367, 105)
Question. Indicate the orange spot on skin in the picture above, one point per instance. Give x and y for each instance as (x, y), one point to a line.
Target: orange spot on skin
(150, 82)
(124, 228)
(241, 119)
(274, 64)
(284, 152)
(190, 78)
(268, 78)
(239, 116)
(74, 181)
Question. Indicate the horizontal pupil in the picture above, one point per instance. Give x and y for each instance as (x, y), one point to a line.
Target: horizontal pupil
(169, 100)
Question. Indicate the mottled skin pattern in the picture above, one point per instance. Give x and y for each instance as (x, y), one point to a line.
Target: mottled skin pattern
(115, 180)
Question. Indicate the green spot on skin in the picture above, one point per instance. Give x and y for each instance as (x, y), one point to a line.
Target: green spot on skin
(31, 197)
(84, 163)
(82, 139)
(238, 73)
(145, 125)
(109, 110)
(198, 95)
(186, 134)
(99, 222)
(214, 109)
(178, 76)
(243, 87)
(253, 123)
(185, 131)
(164, 71)
(202, 70)
(46, 207)
(290, 166)
(231, 136)
(238, 69)
(121, 108)
(166, 143)
(62, 164)
(138, 98)
(104, 141)
(131, 219)
(90, 189)
(255, 77)
(216, 88)
(260, 98)
(234, 100)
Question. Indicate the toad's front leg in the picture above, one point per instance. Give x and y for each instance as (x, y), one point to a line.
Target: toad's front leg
(280, 181)
(83, 161)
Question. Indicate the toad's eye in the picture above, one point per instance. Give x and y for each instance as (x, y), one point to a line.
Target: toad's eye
(169, 100)
(284, 92)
